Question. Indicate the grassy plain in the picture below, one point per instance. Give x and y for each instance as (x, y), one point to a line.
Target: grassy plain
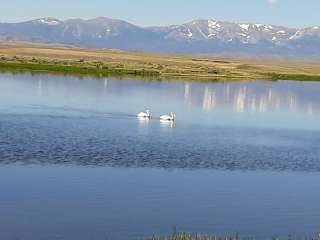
(113, 62)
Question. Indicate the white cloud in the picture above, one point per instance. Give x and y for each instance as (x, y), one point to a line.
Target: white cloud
(273, 1)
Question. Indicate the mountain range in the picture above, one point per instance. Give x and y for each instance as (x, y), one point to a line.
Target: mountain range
(208, 37)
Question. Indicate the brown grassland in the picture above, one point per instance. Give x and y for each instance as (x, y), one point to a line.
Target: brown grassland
(114, 62)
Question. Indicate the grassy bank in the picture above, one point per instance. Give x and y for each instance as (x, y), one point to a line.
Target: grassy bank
(116, 63)
(89, 69)
(295, 77)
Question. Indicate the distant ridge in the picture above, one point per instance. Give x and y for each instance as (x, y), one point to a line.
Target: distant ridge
(195, 37)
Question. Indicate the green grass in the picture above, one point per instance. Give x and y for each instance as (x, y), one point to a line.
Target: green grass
(105, 69)
(296, 77)
(88, 69)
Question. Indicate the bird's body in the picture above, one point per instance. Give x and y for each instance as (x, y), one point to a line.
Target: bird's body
(169, 118)
(144, 115)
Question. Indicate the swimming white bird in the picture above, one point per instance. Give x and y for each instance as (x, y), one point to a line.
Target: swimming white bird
(170, 118)
(146, 114)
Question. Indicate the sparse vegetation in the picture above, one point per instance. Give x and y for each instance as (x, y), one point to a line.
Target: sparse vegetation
(297, 77)
(188, 236)
(116, 63)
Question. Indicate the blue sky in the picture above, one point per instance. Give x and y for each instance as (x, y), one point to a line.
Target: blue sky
(294, 13)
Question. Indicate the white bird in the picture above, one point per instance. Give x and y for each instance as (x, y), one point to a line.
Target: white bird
(169, 118)
(145, 115)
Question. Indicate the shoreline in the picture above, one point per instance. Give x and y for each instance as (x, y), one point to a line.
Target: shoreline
(100, 63)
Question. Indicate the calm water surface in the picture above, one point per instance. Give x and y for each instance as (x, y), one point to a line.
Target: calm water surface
(75, 163)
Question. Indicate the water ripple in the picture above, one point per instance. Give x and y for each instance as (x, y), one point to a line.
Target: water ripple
(122, 142)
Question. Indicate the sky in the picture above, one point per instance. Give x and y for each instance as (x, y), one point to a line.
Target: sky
(291, 13)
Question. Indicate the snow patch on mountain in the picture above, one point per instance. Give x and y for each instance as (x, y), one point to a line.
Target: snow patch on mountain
(190, 34)
(297, 35)
(268, 27)
(244, 26)
(213, 28)
(213, 24)
(49, 21)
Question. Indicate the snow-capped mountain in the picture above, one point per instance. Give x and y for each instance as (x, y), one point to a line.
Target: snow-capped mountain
(195, 37)
(206, 30)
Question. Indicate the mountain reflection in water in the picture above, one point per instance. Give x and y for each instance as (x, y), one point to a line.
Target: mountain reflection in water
(235, 126)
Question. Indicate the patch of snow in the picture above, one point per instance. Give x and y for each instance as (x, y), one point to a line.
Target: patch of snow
(268, 27)
(244, 26)
(258, 25)
(274, 38)
(213, 28)
(243, 35)
(213, 24)
(230, 40)
(316, 28)
(200, 31)
(190, 34)
(281, 32)
(108, 30)
(49, 21)
(297, 35)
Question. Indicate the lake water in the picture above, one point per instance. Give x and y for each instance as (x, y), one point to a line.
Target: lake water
(75, 162)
